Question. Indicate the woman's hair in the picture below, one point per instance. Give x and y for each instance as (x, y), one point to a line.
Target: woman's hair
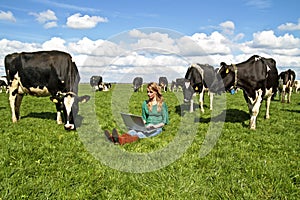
(159, 98)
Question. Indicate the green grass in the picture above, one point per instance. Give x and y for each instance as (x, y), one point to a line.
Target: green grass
(40, 160)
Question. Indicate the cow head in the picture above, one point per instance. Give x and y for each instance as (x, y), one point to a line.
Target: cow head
(193, 83)
(67, 103)
(189, 89)
(225, 80)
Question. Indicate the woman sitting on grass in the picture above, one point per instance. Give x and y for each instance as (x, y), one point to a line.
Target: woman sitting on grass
(154, 113)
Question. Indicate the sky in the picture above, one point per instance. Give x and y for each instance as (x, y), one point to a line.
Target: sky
(120, 40)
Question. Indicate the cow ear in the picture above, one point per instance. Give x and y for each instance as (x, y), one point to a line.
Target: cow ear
(54, 99)
(84, 99)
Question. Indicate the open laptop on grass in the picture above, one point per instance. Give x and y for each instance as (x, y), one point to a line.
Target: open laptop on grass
(135, 122)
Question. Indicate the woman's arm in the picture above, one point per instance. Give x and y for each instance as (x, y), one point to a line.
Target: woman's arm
(160, 125)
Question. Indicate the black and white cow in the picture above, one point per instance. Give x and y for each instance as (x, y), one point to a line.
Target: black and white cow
(257, 77)
(95, 81)
(3, 84)
(163, 83)
(177, 84)
(97, 84)
(286, 82)
(44, 73)
(199, 78)
(137, 84)
(296, 85)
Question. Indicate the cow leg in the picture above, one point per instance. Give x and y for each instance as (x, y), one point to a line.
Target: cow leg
(15, 100)
(269, 94)
(268, 102)
(290, 94)
(201, 96)
(283, 94)
(192, 105)
(211, 99)
(254, 106)
(15, 104)
(59, 118)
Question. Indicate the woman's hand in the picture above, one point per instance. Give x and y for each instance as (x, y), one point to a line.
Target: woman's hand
(156, 125)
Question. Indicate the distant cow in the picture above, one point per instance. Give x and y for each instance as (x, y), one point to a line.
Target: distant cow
(95, 81)
(3, 84)
(257, 77)
(286, 82)
(163, 83)
(97, 84)
(137, 84)
(44, 73)
(198, 78)
(296, 85)
(178, 83)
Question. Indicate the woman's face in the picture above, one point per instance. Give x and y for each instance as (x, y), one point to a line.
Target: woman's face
(151, 94)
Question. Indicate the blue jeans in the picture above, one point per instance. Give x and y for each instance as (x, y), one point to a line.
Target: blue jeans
(144, 135)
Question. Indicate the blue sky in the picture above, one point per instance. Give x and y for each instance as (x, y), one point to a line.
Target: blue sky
(229, 31)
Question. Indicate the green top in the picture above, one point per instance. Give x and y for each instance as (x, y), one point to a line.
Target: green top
(155, 117)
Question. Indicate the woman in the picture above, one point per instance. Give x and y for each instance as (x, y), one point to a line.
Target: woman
(154, 113)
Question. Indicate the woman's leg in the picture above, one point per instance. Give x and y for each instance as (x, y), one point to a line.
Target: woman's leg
(139, 134)
(158, 131)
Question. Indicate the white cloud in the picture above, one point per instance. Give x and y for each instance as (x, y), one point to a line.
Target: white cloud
(77, 21)
(215, 43)
(290, 26)
(227, 27)
(159, 53)
(44, 16)
(50, 25)
(55, 43)
(7, 16)
(267, 39)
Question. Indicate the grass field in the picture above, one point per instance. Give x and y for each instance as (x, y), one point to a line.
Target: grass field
(191, 159)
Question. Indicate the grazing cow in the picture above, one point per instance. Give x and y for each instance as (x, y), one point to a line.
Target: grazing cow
(296, 85)
(163, 83)
(286, 80)
(199, 77)
(137, 84)
(257, 77)
(44, 73)
(95, 82)
(178, 83)
(3, 86)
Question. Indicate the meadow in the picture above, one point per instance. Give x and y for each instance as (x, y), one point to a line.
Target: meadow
(212, 155)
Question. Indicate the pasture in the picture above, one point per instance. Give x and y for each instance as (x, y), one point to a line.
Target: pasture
(40, 160)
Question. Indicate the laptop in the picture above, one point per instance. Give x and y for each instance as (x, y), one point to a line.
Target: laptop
(135, 122)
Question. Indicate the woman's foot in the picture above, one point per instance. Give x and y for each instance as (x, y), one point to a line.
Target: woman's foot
(115, 136)
(108, 136)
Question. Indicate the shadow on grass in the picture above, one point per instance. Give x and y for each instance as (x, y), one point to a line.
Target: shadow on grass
(232, 116)
(183, 108)
(51, 116)
(289, 110)
(41, 115)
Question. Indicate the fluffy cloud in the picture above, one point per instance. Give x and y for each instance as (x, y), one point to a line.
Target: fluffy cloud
(55, 43)
(227, 27)
(267, 39)
(77, 21)
(48, 18)
(50, 25)
(157, 52)
(290, 26)
(7, 16)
